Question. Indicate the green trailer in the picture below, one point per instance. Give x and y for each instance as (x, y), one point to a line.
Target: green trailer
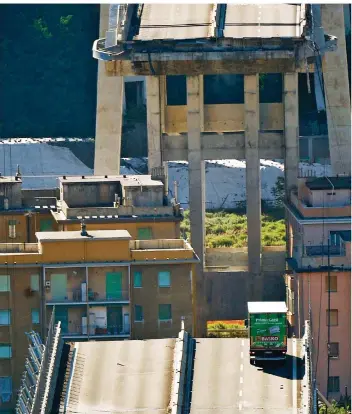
(267, 330)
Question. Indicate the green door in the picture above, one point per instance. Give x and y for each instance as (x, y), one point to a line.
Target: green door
(144, 233)
(114, 286)
(61, 314)
(114, 320)
(59, 287)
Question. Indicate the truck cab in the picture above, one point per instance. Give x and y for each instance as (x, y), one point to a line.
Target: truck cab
(267, 331)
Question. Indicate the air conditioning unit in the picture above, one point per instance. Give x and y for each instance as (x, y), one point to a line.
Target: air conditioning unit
(47, 283)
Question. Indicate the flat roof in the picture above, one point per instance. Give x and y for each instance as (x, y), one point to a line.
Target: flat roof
(11, 180)
(125, 180)
(51, 236)
(267, 307)
(326, 183)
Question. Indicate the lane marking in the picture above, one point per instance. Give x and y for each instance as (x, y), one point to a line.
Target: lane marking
(294, 377)
(241, 367)
(240, 393)
(241, 380)
(241, 354)
(242, 342)
(240, 406)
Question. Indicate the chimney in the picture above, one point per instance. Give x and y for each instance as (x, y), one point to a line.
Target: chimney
(83, 229)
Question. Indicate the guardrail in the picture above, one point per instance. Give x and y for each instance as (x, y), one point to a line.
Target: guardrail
(309, 392)
(36, 390)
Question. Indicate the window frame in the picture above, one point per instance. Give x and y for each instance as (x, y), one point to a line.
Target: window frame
(135, 313)
(2, 345)
(134, 279)
(35, 310)
(9, 317)
(169, 275)
(327, 283)
(10, 391)
(35, 285)
(334, 380)
(337, 356)
(8, 283)
(159, 309)
(12, 229)
(327, 317)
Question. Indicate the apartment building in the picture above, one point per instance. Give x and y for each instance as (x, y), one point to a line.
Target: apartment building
(103, 285)
(24, 212)
(136, 203)
(319, 284)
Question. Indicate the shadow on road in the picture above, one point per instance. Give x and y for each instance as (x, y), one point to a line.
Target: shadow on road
(283, 370)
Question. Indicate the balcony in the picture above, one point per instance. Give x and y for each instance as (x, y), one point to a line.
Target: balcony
(73, 296)
(122, 296)
(91, 331)
(19, 248)
(325, 250)
(317, 212)
(78, 296)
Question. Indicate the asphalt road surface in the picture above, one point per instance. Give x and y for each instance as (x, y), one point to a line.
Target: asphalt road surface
(224, 381)
(121, 377)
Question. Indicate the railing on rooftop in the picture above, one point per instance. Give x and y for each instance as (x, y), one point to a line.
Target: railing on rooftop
(159, 244)
(324, 250)
(19, 248)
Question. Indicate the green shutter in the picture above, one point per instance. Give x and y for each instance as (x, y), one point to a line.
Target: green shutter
(138, 313)
(59, 286)
(144, 233)
(5, 283)
(137, 279)
(61, 314)
(164, 279)
(165, 312)
(114, 286)
(46, 224)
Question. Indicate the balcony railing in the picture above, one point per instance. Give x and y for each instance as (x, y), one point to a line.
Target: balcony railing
(94, 331)
(121, 296)
(324, 250)
(75, 296)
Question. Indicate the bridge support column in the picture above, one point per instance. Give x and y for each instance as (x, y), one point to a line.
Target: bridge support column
(110, 94)
(251, 120)
(196, 172)
(153, 122)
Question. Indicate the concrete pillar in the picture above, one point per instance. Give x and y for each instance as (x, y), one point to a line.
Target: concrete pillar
(110, 94)
(153, 122)
(337, 91)
(290, 100)
(251, 120)
(196, 172)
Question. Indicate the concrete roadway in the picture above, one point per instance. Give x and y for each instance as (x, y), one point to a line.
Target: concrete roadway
(224, 381)
(121, 377)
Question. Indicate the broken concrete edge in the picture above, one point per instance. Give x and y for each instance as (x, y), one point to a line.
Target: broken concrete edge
(178, 373)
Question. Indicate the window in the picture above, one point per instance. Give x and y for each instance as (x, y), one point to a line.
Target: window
(164, 279)
(176, 87)
(165, 313)
(333, 350)
(144, 233)
(334, 317)
(223, 89)
(333, 283)
(35, 283)
(46, 224)
(335, 239)
(5, 317)
(5, 283)
(138, 313)
(137, 279)
(5, 389)
(270, 87)
(12, 229)
(5, 351)
(334, 384)
(35, 316)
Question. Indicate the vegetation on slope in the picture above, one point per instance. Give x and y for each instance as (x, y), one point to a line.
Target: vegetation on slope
(229, 229)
